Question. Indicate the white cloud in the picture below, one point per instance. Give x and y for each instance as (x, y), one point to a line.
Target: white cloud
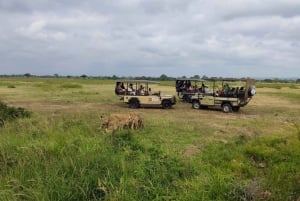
(37, 30)
(139, 37)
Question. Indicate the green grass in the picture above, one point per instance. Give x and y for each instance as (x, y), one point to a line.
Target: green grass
(86, 164)
(61, 152)
(295, 97)
(70, 85)
(277, 85)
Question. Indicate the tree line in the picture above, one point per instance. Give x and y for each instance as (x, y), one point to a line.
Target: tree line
(162, 77)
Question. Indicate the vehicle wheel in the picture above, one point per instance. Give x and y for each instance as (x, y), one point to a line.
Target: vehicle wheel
(236, 109)
(226, 107)
(196, 104)
(134, 103)
(166, 104)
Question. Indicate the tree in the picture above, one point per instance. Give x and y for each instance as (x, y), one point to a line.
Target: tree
(163, 77)
(196, 77)
(27, 74)
(268, 80)
(204, 77)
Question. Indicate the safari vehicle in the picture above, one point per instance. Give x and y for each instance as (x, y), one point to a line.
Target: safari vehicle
(137, 93)
(227, 94)
(187, 88)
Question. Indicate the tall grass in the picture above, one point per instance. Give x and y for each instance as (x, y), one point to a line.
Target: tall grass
(71, 162)
(70, 159)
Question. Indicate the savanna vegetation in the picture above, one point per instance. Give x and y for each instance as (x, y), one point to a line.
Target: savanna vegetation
(53, 147)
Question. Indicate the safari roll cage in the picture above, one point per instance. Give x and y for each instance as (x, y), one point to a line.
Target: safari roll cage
(126, 83)
(180, 82)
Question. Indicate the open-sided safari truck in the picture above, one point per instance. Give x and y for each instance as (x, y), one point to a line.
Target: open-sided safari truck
(227, 94)
(187, 88)
(138, 93)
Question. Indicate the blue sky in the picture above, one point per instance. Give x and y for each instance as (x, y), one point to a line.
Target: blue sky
(234, 38)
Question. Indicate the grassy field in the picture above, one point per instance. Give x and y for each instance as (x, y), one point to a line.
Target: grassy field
(62, 153)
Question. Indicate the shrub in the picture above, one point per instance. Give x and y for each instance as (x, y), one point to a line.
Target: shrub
(11, 113)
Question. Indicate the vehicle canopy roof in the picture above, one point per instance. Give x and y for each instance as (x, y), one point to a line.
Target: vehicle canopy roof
(191, 79)
(138, 81)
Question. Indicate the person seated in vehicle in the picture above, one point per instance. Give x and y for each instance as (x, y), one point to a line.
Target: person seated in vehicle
(231, 92)
(220, 92)
(131, 90)
(226, 89)
(149, 92)
(196, 89)
(205, 89)
(120, 89)
(180, 86)
(141, 90)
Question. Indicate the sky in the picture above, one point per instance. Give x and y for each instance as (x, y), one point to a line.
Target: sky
(232, 38)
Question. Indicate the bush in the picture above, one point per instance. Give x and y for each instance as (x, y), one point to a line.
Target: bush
(12, 113)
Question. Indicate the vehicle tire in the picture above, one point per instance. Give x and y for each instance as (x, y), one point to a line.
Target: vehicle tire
(236, 108)
(166, 104)
(226, 107)
(196, 104)
(134, 103)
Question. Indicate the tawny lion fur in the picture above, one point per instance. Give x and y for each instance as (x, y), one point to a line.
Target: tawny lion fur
(122, 121)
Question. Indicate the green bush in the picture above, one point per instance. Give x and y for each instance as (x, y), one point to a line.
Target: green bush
(12, 113)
